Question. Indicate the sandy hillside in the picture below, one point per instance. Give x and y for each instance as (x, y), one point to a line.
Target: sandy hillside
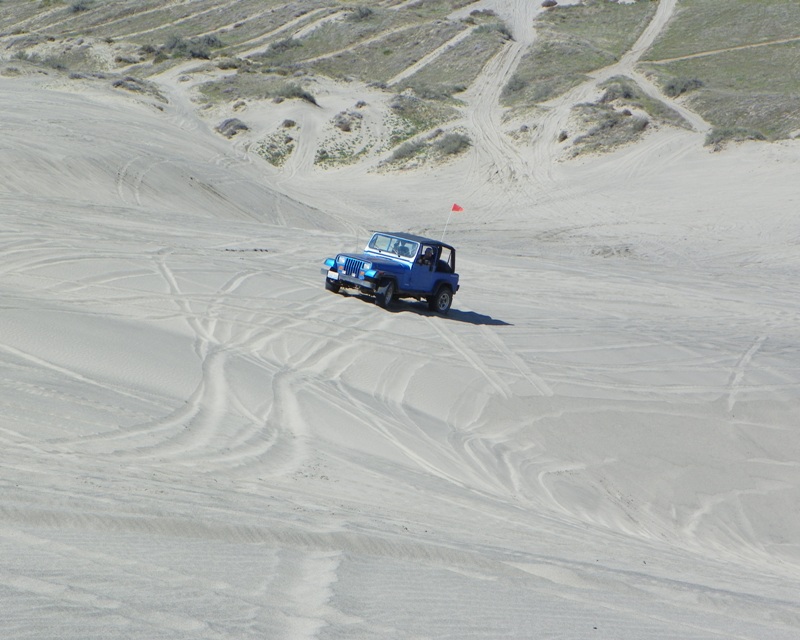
(199, 441)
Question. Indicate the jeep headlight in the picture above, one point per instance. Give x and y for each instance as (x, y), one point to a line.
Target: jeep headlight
(340, 259)
(367, 266)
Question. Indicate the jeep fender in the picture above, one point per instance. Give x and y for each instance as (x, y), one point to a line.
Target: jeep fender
(448, 283)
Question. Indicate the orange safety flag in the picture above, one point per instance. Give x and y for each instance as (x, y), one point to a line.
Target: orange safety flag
(457, 207)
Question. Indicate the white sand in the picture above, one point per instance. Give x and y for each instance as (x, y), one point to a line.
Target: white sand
(199, 441)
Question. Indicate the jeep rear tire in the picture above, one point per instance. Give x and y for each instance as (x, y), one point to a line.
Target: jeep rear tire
(441, 300)
(384, 294)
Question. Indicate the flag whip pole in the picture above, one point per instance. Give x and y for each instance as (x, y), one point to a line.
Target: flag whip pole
(455, 207)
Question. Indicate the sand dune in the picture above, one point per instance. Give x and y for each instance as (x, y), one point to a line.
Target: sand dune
(199, 441)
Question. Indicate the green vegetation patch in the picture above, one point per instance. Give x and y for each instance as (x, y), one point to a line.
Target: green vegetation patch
(436, 9)
(410, 116)
(381, 59)
(625, 93)
(200, 47)
(607, 128)
(755, 117)
(455, 69)
(741, 89)
(710, 25)
(19, 16)
(276, 148)
(759, 69)
(572, 41)
(612, 121)
(347, 142)
(436, 147)
(351, 29)
(255, 86)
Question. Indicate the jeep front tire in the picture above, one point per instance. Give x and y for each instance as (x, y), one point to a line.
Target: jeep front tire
(332, 285)
(384, 294)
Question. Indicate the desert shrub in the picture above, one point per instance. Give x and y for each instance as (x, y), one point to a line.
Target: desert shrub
(514, 85)
(198, 52)
(607, 128)
(452, 143)
(282, 46)
(499, 27)
(638, 123)
(175, 45)
(407, 150)
(360, 13)
(77, 7)
(720, 135)
(430, 91)
(210, 40)
(226, 64)
(276, 148)
(231, 127)
(192, 48)
(345, 121)
(625, 90)
(290, 90)
(480, 13)
(129, 84)
(55, 62)
(678, 86)
(618, 91)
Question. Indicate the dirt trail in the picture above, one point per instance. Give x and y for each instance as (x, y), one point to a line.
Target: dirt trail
(497, 157)
(713, 52)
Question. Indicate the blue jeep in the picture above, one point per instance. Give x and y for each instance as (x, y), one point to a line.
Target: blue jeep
(397, 265)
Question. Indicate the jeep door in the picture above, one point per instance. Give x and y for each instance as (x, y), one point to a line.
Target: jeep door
(423, 273)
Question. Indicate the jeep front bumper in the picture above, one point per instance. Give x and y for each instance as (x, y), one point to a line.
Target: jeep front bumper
(346, 279)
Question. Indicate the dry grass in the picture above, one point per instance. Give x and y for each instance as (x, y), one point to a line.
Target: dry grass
(737, 59)
(741, 89)
(573, 41)
(274, 49)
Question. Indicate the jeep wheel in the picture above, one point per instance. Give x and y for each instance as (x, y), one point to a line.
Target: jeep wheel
(441, 300)
(332, 285)
(384, 294)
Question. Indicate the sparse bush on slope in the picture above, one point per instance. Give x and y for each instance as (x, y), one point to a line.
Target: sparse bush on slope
(607, 128)
(360, 13)
(625, 93)
(452, 143)
(193, 47)
(719, 135)
(231, 126)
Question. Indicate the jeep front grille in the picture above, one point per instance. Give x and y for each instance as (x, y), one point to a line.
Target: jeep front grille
(353, 267)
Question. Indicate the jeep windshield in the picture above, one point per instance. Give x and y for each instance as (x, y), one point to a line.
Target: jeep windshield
(384, 244)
